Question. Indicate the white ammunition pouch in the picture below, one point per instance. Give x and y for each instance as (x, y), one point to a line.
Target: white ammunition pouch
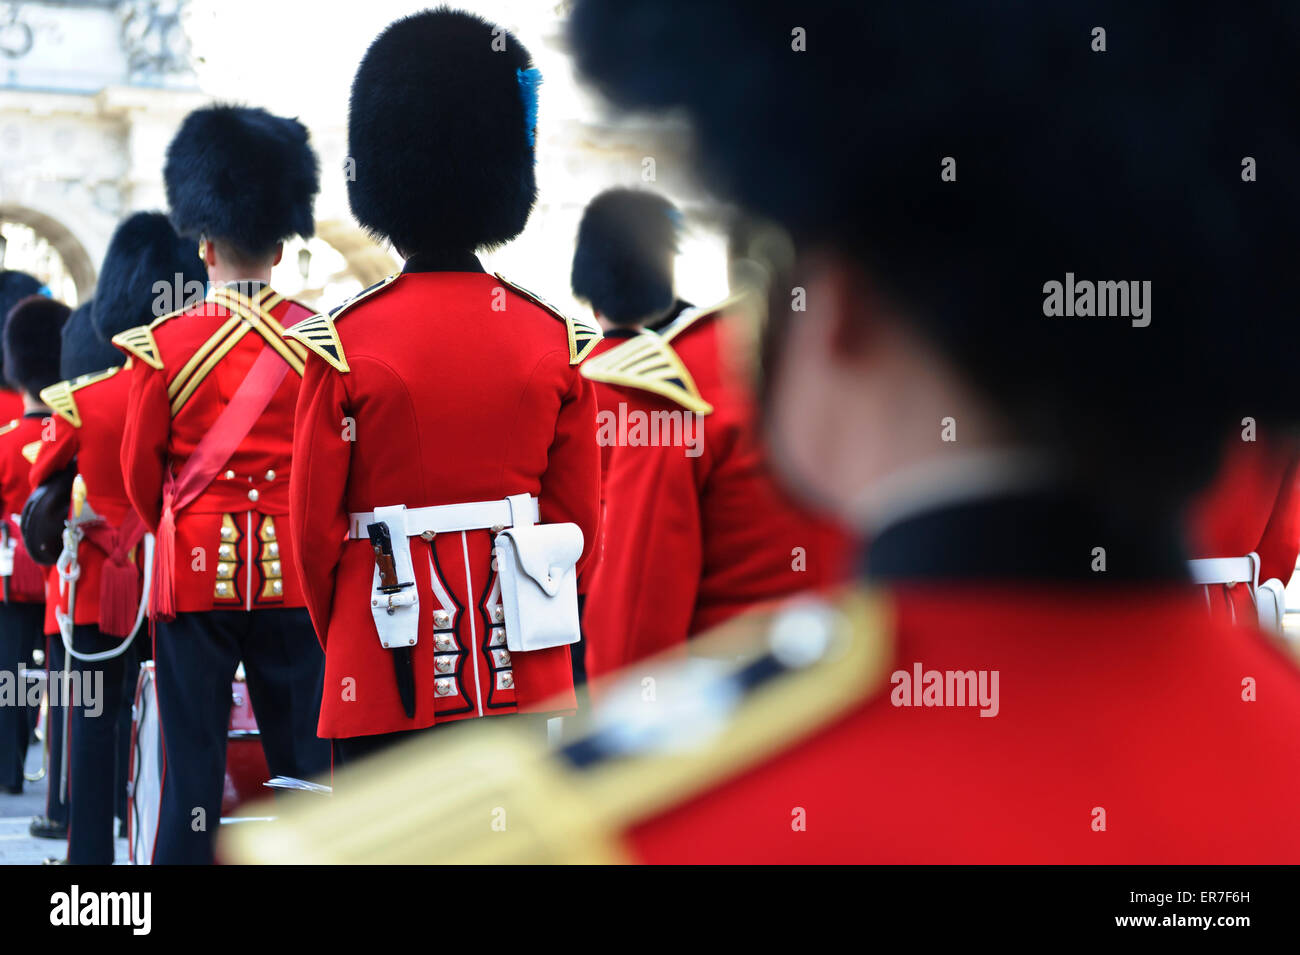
(537, 568)
(396, 616)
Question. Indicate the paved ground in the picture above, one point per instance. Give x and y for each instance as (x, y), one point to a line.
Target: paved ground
(16, 846)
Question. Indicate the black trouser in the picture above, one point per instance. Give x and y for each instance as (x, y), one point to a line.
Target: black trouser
(20, 632)
(195, 657)
(56, 733)
(97, 757)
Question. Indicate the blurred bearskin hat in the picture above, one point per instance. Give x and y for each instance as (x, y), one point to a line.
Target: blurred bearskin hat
(241, 175)
(144, 251)
(623, 265)
(82, 350)
(31, 342)
(440, 128)
(14, 287)
(964, 155)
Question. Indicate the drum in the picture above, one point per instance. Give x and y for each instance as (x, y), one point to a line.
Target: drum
(246, 770)
(144, 790)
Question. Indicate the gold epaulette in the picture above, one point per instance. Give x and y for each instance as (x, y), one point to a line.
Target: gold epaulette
(648, 362)
(31, 450)
(139, 342)
(582, 336)
(59, 396)
(493, 793)
(320, 336)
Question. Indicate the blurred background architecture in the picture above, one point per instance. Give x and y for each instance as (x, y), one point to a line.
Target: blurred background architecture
(91, 92)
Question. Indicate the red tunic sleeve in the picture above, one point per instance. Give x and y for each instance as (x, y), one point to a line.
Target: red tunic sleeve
(322, 455)
(144, 443)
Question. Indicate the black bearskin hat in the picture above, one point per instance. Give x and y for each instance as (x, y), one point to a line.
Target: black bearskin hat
(440, 128)
(243, 176)
(83, 351)
(144, 251)
(14, 287)
(623, 265)
(31, 342)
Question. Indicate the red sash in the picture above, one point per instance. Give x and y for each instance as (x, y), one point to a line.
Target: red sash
(211, 455)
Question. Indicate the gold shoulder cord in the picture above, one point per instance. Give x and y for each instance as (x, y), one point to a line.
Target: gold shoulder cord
(494, 794)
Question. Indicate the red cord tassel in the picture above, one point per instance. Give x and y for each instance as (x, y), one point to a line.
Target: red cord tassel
(28, 579)
(162, 598)
(119, 596)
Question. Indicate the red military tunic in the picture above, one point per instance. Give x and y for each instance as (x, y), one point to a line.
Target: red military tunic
(1125, 734)
(20, 440)
(695, 530)
(437, 388)
(90, 417)
(233, 541)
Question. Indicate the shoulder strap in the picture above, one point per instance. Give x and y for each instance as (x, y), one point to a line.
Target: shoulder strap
(767, 680)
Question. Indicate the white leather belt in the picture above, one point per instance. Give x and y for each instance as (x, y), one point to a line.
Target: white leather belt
(443, 518)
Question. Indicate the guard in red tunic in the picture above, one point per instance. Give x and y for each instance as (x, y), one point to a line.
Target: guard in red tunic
(683, 545)
(206, 459)
(442, 410)
(99, 577)
(31, 362)
(1026, 673)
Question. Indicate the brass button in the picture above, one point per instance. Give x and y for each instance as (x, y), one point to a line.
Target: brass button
(506, 681)
(442, 687)
(443, 641)
(441, 619)
(252, 494)
(270, 475)
(277, 587)
(230, 475)
(443, 665)
(498, 614)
